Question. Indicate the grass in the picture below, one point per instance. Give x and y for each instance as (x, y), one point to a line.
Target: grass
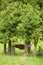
(20, 59)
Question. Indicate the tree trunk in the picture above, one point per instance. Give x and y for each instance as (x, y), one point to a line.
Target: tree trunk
(29, 48)
(9, 47)
(4, 48)
(12, 50)
(35, 46)
(26, 49)
(35, 49)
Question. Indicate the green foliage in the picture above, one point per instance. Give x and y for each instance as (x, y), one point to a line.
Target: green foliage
(21, 18)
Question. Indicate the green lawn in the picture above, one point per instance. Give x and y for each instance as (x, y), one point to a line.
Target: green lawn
(19, 59)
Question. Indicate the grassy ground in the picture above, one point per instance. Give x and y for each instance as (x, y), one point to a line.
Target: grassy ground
(20, 59)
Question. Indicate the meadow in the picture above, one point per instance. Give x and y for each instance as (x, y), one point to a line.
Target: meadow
(20, 58)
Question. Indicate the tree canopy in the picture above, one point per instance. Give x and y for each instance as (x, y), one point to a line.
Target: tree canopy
(21, 18)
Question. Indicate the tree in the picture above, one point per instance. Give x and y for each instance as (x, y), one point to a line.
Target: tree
(20, 18)
(30, 22)
(9, 21)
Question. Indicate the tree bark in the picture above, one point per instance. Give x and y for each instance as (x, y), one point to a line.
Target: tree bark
(29, 48)
(12, 50)
(26, 49)
(9, 47)
(35, 46)
(4, 48)
(35, 49)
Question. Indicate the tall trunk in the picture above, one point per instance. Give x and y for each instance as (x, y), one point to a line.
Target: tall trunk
(12, 50)
(35, 46)
(26, 49)
(29, 47)
(4, 48)
(9, 47)
(35, 49)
